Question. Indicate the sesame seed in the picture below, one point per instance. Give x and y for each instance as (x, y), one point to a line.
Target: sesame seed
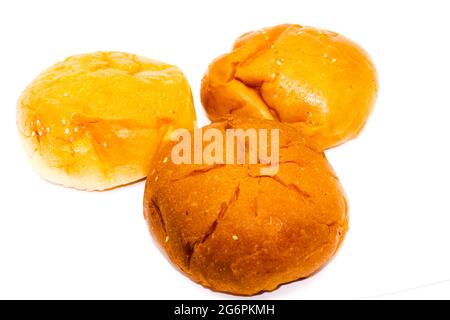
(67, 131)
(63, 121)
(75, 129)
(33, 134)
(235, 237)
(38, 122)
(105, 144)
(334, 60)
(167, 239)
(264, 33)
(165, 160)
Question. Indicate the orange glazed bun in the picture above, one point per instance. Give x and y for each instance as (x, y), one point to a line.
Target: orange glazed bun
(95, 121)
(232, 229)
(320, 81)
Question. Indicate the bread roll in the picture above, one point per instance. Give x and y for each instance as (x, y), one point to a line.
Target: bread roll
(231, 229)
(95, 121)
(317, 80)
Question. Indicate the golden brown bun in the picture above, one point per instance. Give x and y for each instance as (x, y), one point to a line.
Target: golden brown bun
(95, 121)
(233, 230)
(320, 81)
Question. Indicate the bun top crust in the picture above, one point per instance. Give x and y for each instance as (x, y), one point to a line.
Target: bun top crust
(234, 230)
(317, 80)
(94, 121)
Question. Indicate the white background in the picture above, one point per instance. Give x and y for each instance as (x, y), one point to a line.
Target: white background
(61, 243)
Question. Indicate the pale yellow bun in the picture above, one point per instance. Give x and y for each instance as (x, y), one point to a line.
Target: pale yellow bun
(95, 121)
(234, 230)
(317, 80)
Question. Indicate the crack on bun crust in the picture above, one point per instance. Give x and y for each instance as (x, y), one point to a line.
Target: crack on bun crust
(223, 209)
